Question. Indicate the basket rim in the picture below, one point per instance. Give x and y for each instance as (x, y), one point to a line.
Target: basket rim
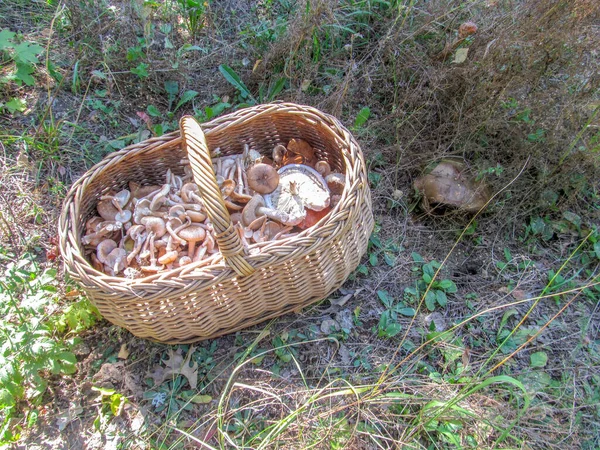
(206, 268)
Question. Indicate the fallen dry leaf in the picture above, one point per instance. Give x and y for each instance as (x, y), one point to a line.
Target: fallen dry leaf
(176, 365)
(461, 55)
(123, 352)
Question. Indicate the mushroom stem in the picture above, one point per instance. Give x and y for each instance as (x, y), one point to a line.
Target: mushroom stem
(240, 180)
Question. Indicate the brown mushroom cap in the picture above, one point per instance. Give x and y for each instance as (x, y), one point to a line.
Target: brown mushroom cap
(250, 212)
(106, 209)
(154, 224)
(323, 168)
(278, 152)
(187, 192)
(263, 178)
(301, 147)
(192, 234)
(336, 182)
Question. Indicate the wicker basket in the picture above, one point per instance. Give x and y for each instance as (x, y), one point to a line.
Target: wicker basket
(235, 288)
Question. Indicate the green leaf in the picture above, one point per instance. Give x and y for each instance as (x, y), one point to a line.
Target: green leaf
(362, 117)
(235, 80)
(417, 258)
(16, 104)
(24, 72)
(373, 259)
(277, 88)
(392, 329)
(141, 70)
(201, 399)
(385, 298)
(26, 52)
(171, 87)
(427, 278)
(409, 312)
(186, 97)
(6, 398)
(389, 259)
(573, 218)
(6, 37)
(597, 249)
(448, 286)
(539, 359)
(153, 111)
(430, 301)
(441, 298)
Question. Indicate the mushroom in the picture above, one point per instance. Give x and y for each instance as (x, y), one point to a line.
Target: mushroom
(195, 216)
(168, 257)
(174, 222)
(137, 233)
(312, 217)
(256, 208)
(104, 228)
(116, 261)
(96, 264)
(257, 223)
(336, 182)
(250, 157)
(303, 148)
(152, 267)
(176, 211)
(91, 224)
(118, 202)
(139, 192)
(160, 197)
(323, 168)
(299, 184)
(236, 217)
(142, 209)
(270, 230)
(240, 180)
(190, 193)
(192, 235)
(263, 178)
(184, 260)
(278, 153)
(335, 199)
(154, 225)
(104, 248)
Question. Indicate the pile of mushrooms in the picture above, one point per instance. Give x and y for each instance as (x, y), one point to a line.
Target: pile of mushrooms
(147, 229)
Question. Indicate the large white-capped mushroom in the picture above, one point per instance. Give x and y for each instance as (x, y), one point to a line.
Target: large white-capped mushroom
(263, 178)
(299, 183)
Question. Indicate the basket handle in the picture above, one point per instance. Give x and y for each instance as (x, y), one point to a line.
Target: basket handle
(230, 244)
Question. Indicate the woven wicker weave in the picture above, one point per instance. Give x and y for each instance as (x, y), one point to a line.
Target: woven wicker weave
(234, 288)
